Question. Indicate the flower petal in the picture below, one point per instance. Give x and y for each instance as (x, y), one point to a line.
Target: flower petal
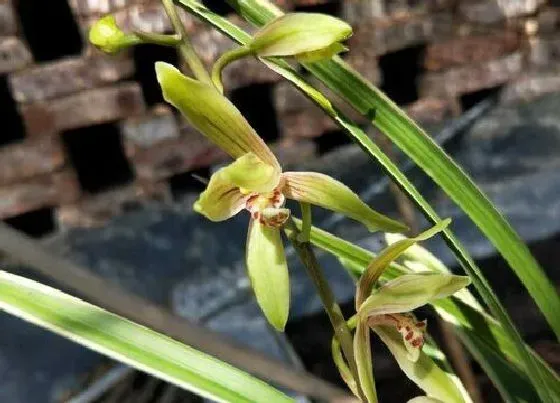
(437, 383)
(387, 255)
(321, 54)
(221, 199)
(411, 291)
(292, 34)
(268, 271)
(324, 191)
(251, 174)
(212, 114)
(362, 352)
(424, 399)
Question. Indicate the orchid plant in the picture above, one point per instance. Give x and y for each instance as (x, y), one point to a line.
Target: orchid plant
(255, 182)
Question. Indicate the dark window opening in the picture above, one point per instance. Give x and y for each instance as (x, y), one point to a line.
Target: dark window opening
(50, 29)
(256, 103)
(35, 223)
(400, 72)
(220, 7)
(472, 98)
(145, 57)
(97, 154)
(12, 124)
(330, 140)
(330, 7)
(194, 181)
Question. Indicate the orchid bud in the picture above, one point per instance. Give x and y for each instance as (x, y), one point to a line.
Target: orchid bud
(307, 35)
(108, 37)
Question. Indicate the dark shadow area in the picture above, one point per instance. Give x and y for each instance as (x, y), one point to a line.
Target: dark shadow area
(49, 28)
(472, 98)
(97, 155)
(400, 72)
(188, 182)
(220, 7)
(330, 140)
(256, 103)
(329, 7)
(12, 124)
(35, 223)
(145, 57)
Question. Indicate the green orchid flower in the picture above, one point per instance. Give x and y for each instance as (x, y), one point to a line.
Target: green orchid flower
(254, 182)
(387, 311)
(306, 36)
(106, 35)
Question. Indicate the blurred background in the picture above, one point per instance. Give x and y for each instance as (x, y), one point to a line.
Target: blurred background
(96, 167)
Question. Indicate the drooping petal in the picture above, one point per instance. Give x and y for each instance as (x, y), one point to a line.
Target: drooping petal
(221, 199)
(385, 257)
(251, 174)
(342, 367)
(212, 114)
(429, 377)
(362, 352)
(324, 191)
(268, 271)
(292, 34)
(411, 291)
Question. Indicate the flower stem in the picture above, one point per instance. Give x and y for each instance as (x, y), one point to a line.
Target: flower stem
(341, 330)
(158, 39)
(305, 233)
(185, 47)
(223, 61)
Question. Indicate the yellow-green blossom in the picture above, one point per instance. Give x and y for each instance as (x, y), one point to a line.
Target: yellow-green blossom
(254, 182)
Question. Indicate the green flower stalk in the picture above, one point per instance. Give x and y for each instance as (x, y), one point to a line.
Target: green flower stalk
(387, 311)
(254, 182)
(308, 37)
(106, 35)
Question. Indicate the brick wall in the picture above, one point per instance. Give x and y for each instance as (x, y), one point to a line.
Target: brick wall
(86, 136)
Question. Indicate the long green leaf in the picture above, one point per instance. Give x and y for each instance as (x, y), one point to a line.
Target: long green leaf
(260, 12)
(485, 338)
(130, 343)
(422, 149)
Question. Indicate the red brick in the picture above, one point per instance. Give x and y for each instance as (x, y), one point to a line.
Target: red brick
(172, 156)
(86, 108)
(389, 35)
(64, 77)
(44, 191)
(461, 80)
(356, 11)
(470, 50)
(96, 210)
(97, 7)
(8, 20)
(32, 158)
(532, 85)
(493, 11)
(429, 111)
(14, 55)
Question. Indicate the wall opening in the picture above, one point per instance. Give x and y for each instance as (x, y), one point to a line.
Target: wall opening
(256, 103)
(330, 7)
(49, 28)
(400, 72)
(220, 7)
(36, 223)
(194, 181)
(330, 140)
(12, 124)
(97, 154)
(472, 98)
(145, 57)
